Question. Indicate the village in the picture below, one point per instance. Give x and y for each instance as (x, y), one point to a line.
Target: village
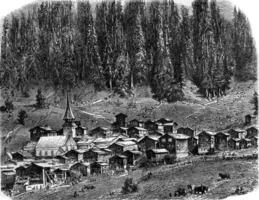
(63, 157)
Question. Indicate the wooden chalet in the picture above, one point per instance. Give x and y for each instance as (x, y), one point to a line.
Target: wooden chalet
(157, 155)
(82, 168)
(193, 144)
(148, 142)
(98, 132)
(120, 146)
(118, 162)
(245, 143)
(176, 144)
(96, 155)
(168, 127)
(251, 132)
(120, 130)
(39, 131)
(21, 156)
(150, 125)
(85, 144)
(233, 143)
(99, 168)
(206, 141)
(254, 141)
(136, 123)
(61, 159)
(164, 121)
(221, 141)
(121, 120)
(74, 155)
(236, 133)
(52, 146)
(137, 132)
(132, 156)
(186, 131)
(248, 119)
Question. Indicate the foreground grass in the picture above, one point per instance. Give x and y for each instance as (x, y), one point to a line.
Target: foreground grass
(164, 181)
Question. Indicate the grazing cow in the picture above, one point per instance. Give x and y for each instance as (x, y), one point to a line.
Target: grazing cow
(224, 176)
(75, 194)
(201, 189)
(180, 192)
(190, 188)
(89, 187)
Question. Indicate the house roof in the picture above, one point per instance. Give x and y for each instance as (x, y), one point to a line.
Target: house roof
(134, 152)
(51, 141)
(125, 143)
(208, 132)
(152, 137)
(235, 139)
(120, 156)
(121, 114)
(86, 164)
(138, 128)
(68, 113)
(158, 151)
(180, 137)
(222, 132)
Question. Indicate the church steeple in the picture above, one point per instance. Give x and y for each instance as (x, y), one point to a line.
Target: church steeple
(69, 116)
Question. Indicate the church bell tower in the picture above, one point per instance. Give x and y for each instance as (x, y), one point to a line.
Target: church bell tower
(69, 126)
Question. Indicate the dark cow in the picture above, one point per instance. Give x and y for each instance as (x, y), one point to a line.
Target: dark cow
(190, 188)
(224, 176)
(201, 189)
(180, 192)
(89, 187)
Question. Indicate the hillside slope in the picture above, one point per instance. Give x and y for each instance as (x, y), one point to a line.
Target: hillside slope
(98, 109)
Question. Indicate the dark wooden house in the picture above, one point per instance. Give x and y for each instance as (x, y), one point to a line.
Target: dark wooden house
(193, 144)
(236, 133)
(175, 143)
(82, 168)
(137, 132)
(206, 141)
(157, 155)
(248, 119)
(168, 127)
(254, 141)
(132, 156)
(121, 120)
(39, 131)
(120, 130)
(120, 146)
(186, 131)
(102, 132)
(99, 168)
(150, 126)
(233, 143)
(136, 123)
(148, 142)
(244, 143)
(74, 155)
(251, 132)
(164, 121)
(94, 155)
(221, 141)
(118, 162)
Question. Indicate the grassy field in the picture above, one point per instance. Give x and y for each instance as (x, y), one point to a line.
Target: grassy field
(164, 181)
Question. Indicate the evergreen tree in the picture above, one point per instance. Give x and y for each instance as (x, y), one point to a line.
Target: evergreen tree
(40, 99)
(22, 115)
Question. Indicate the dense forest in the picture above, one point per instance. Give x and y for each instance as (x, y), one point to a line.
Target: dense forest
(118, 47)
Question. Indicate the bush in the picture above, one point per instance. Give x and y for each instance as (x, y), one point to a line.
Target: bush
(169, 159)
(129, 186)
(144, 162)
(8, 105)
(22, 115)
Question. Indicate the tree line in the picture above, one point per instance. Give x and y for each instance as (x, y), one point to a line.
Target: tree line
(119, 47)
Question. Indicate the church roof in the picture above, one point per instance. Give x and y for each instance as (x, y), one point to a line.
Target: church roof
(68, 114)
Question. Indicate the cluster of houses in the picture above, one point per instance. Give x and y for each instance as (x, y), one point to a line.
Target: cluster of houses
(52, 156)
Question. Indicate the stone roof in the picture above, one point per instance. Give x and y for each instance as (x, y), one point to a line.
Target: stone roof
(51, 141)
(158, 151)
(180, 137)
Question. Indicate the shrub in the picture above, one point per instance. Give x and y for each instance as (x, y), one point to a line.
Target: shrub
(129, 186)
(8, 105)
(169, 159)
(144, 162)
(22, 115)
